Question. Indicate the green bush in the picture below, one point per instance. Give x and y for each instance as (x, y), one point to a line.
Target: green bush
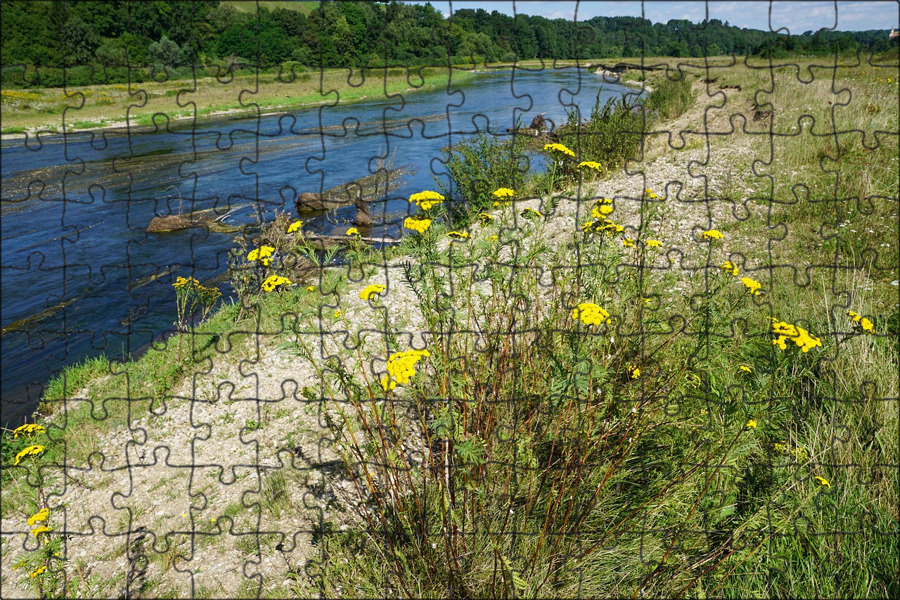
(478, 166)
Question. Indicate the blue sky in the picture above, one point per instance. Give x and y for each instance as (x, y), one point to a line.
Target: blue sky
(796, 16)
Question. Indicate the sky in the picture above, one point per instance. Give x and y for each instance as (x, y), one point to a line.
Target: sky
(796, 16)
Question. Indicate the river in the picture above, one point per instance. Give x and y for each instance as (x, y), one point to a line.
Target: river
(81, 277)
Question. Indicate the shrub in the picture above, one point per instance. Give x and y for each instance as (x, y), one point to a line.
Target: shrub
(477, 166)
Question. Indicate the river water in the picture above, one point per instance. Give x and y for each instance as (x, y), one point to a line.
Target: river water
(81, 277)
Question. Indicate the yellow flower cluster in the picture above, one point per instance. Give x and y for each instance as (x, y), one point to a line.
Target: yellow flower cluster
(211, 293)
(798, 453)
(401, 366)
(29, 451)
(627, 242)
(38, 571)
(28, 429)
(183, 282)
(41, 515)
(589, 164)
(798, 335)
(353, 231)
(263, 254)
(485, 218)
(559, 148)
(590, 314)
(751, 423)
(712, 234)
(602, 208)
(730, 267)
(602, 225)
(654, 244)
(371, 290)
(416, 223)
(458, 235)
(529, 213)
(295, 226)
(651, 194)
(504, 196)
(751, 285)
(746, 369)
(427, 199)
(864, 323)
(273, 282)
(634, 372)
(39, 530)
(19, 95)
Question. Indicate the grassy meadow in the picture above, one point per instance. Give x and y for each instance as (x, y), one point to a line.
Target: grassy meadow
(208, 96)
(665, 367)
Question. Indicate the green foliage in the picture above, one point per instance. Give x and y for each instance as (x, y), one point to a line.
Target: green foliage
(477, 166)
(140, 34)
(611, 135)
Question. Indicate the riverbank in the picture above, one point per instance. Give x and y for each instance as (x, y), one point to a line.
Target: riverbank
(254, 446)
(146, 106)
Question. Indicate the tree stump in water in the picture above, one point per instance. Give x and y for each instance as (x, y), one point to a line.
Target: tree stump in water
(363, 214)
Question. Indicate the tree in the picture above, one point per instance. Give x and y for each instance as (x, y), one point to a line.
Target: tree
(165, 52)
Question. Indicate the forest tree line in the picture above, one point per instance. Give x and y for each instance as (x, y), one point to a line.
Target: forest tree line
(107, 39)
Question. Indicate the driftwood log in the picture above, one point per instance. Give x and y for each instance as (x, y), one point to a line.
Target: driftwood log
(358, 192)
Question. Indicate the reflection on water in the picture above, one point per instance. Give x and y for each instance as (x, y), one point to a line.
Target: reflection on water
(81, 276)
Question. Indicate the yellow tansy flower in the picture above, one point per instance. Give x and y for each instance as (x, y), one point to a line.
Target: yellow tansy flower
(273, 282)
(730, 267)
(29, 451)
(261, 253)
(751, 423)
(787, 331)
(295, 226)
(823, 481)
(418, 224)
(41, 515)
(38, 531)
(458, 235)
(352, 231)
(559, 148)
(426, 200)
(371, 290)
(401, 367)
(590, 314)
(712, 234)
(28, 429)
(752, 285)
